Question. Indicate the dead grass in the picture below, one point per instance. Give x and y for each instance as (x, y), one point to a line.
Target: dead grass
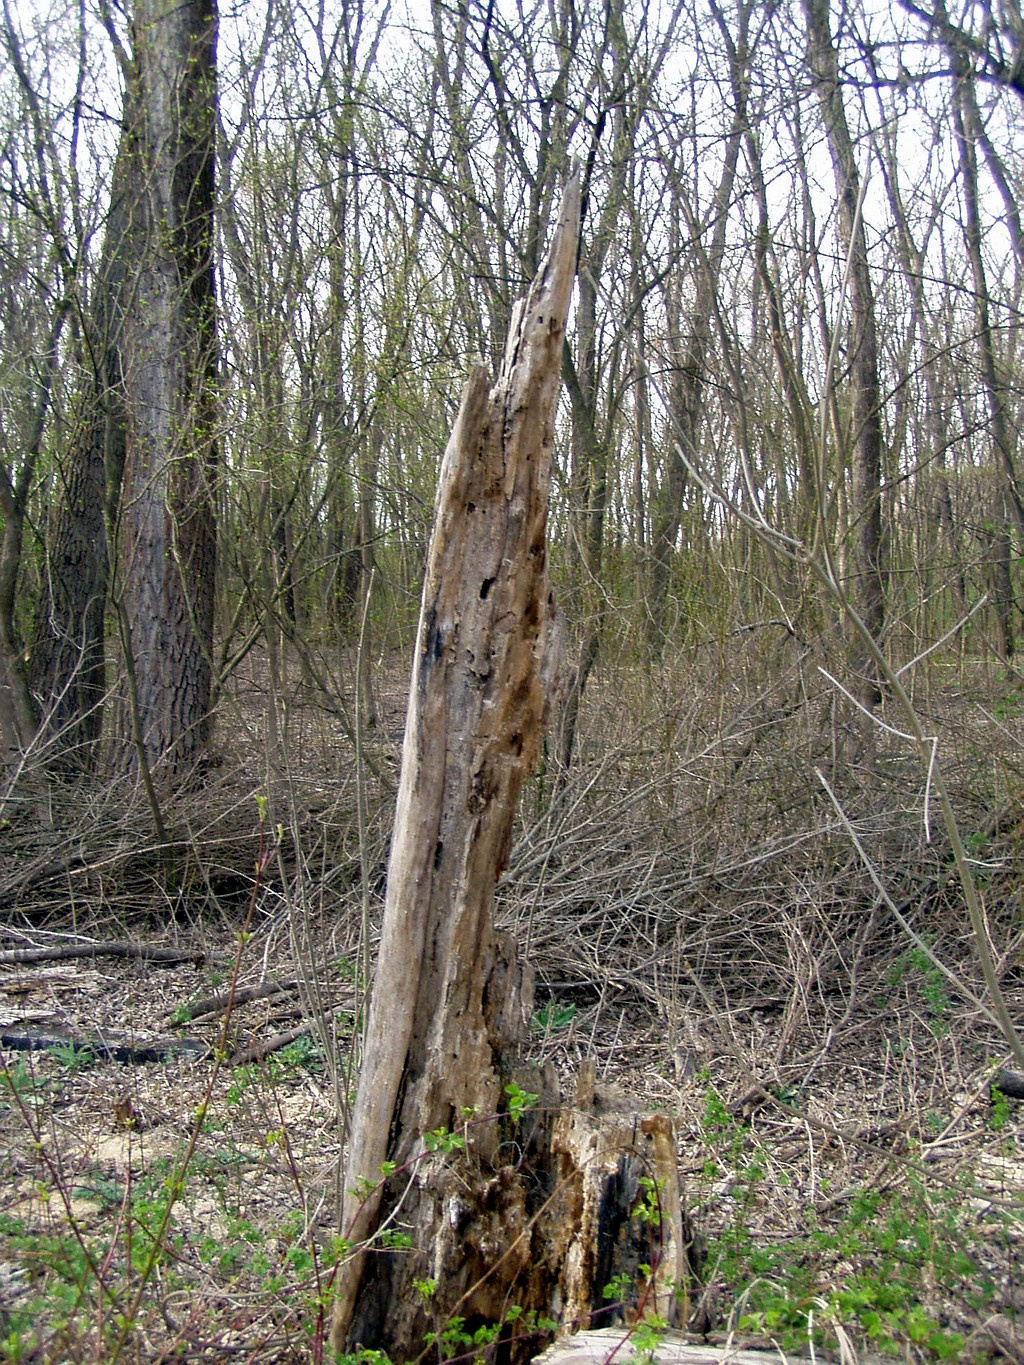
(698, 921)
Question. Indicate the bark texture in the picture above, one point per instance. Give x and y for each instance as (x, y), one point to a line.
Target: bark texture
(868, 588)
(67, 669)
(510, 1214)
(168, 533)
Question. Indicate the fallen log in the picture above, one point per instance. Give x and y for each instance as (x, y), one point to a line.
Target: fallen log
(1009, 1083)
(66, 952)
(119, 1047)
(238, 995)
(108, 1046)
(478, 1206)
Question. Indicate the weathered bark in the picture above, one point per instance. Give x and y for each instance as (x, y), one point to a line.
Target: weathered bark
(868, 585)
(512, 1218)
(168, 533)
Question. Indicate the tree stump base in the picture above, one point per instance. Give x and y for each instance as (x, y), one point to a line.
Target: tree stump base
(548, 1216)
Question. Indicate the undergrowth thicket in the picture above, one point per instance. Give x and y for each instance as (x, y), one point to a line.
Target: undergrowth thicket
(698, 921)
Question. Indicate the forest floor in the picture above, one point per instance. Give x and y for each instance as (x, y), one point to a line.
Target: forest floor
(700, 922)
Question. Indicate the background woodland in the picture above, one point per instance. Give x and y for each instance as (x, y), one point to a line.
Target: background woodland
(247, 260)
(799, 291)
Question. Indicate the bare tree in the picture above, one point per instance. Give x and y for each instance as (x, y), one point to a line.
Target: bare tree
(41, 257)
(997, 50)
(690, 330)
(68, 660)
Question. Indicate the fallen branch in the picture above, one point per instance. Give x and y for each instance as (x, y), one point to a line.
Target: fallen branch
(143, 952)
(214, 1004)
(255, 1052)
(108, 1047)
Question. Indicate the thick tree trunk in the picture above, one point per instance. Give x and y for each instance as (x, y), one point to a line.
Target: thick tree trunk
(526, 1210)
(168, 535)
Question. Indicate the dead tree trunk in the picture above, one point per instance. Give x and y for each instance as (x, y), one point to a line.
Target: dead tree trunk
(518, 1206)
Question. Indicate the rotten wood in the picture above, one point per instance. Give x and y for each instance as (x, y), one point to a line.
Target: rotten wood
(472, 734)
(538, 1209)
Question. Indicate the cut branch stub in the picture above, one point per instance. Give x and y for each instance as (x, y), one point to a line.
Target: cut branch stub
(473, 733)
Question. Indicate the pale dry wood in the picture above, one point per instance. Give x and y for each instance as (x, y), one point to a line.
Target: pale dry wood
(595, 1348)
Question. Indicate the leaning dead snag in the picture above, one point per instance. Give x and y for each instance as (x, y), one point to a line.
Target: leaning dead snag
(494, 1211)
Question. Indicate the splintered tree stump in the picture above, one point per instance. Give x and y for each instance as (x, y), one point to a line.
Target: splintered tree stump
(506, 1209)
